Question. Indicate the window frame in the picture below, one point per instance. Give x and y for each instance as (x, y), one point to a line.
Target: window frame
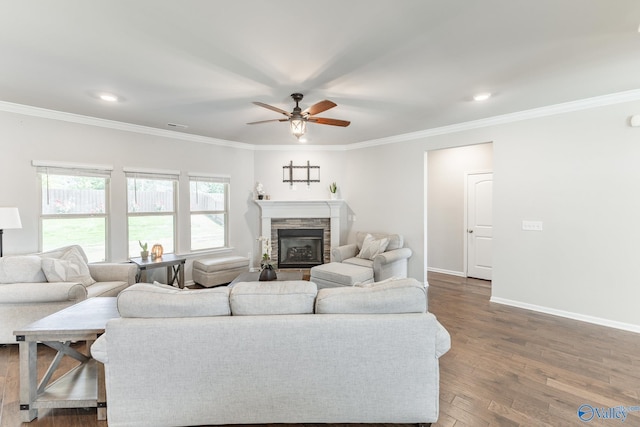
(45, 169)
(153, 175)
(219, 179)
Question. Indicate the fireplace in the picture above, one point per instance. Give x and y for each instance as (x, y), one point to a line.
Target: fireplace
(300, 248)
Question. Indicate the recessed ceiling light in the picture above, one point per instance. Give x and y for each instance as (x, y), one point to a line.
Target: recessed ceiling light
(482, 96)
(108, 97)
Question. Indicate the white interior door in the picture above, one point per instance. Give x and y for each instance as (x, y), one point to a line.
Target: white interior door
(479, 225)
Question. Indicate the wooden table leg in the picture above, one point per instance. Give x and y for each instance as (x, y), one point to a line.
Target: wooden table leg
(102, 393)
(28, 379)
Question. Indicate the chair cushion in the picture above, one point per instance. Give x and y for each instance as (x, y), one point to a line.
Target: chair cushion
(389, 296)
(273, 297)
(158, 300)
(372, 247)
(21, 269)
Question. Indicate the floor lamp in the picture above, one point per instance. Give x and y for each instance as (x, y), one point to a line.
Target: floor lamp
(9, 218)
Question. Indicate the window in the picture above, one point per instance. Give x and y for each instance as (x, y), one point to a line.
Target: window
(73, 208)
(151, 210)
(209, 201)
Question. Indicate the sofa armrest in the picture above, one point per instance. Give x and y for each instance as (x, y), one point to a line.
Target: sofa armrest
(443, 340)
(33, 293)
(392, 256)
(341, 253)
(391, 264)
(99, 349)
(114, 272)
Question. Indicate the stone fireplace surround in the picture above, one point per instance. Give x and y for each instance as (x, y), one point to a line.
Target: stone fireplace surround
(303, 214)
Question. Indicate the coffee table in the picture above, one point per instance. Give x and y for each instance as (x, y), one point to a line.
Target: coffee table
(252, 276)
(81, 387)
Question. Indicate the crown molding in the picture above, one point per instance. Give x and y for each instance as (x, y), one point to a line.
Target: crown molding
(29, 110)
(566, 107)
(550, 110)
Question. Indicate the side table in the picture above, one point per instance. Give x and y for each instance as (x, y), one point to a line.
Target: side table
(174, 264)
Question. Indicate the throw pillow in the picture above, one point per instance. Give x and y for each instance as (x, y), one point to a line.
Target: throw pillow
(58, 270)
(74, 256)
(21, 269)
(372, 247)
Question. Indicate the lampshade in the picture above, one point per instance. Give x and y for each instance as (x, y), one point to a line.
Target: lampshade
(9, 218)
(298, 127)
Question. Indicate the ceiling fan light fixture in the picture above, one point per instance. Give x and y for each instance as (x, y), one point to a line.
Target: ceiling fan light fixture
(298, 127)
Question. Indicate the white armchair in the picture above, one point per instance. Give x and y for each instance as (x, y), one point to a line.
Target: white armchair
(390, 263)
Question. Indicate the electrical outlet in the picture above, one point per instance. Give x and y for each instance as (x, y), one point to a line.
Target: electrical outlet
(532, 225)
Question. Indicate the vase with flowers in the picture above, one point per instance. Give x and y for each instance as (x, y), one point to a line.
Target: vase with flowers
(267, 269)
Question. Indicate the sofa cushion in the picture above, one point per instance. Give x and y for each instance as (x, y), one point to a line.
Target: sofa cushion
(157, 300)
(390, 296)
(273, 297)
(21, 269)
(372, 247)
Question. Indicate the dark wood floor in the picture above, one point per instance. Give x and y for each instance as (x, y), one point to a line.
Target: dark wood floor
(506, 367)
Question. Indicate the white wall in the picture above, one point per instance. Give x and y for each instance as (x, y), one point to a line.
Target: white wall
(577, 172)
(268, 170)
(446, 178)
(26, 138)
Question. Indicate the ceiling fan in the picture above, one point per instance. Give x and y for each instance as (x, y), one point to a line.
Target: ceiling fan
(298, 118)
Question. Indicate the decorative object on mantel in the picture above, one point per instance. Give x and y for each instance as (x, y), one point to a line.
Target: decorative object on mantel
(144, 253)
(308, 173)
(267, 271)
(259, 191)
(156, 251)
(333, 188)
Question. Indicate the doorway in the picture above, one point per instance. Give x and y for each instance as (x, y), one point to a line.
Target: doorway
(446, 200)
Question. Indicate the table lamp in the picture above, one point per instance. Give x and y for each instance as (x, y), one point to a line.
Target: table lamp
(9, 218)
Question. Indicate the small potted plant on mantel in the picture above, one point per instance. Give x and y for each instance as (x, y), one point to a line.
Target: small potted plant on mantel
(333, 188)
(144, 253)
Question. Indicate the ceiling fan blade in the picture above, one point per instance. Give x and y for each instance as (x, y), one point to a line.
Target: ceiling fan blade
(319, 107)
(272, 108)
(332, 122)
(267, 121)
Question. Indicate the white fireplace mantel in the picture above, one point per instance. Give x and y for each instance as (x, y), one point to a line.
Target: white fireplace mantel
(331, 209)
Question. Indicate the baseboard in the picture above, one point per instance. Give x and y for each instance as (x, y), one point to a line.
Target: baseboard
(449, 272)
(569, 315)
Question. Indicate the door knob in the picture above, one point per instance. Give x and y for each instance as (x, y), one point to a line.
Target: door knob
(469, 231)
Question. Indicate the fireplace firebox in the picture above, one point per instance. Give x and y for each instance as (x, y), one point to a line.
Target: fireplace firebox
(300, 248)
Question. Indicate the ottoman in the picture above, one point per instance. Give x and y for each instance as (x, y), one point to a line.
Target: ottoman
(337, 274)
(218, 271)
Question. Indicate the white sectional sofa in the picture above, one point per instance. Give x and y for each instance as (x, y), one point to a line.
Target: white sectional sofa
(272, 352)
(34, 286)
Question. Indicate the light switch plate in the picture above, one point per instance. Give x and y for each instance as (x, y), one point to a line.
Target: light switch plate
(532, 225)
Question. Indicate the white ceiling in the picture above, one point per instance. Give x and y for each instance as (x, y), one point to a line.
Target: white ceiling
(392, 66)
